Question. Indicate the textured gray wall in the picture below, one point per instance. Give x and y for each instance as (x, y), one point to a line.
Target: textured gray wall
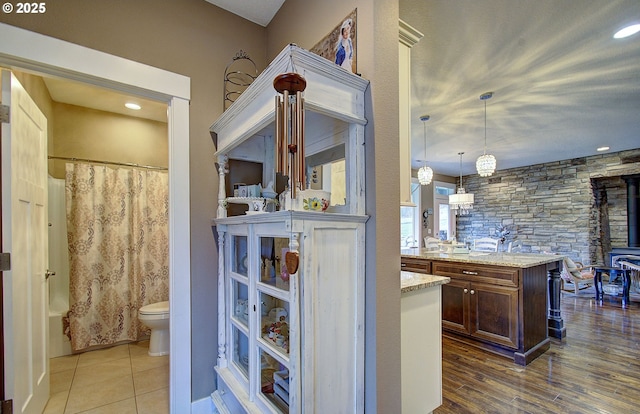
(550, 207)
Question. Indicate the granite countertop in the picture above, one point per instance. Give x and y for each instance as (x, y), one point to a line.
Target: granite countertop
(410, 281)
(520, 260)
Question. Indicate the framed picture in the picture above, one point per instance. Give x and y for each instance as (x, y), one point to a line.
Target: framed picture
(339, 46)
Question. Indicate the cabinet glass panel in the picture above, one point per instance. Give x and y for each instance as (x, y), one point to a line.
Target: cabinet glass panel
(274, 381)
(273, 271)
(240, 348)
(239, 258)
(240, 303)
(274, 322)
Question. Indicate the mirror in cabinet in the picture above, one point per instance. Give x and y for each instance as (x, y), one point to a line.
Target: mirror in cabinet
(327, 172)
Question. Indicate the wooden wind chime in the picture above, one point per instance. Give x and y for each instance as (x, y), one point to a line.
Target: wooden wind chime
(289, 145)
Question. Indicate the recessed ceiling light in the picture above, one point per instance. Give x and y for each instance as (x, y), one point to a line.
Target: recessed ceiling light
(600, 149)
(133, 106)
(627, 31)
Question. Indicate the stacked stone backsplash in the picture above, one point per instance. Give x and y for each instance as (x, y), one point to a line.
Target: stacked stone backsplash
(551, 207)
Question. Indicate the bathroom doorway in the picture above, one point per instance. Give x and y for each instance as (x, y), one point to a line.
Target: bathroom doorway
(79, 63)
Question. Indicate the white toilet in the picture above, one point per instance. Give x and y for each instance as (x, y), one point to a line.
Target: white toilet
(156, 317)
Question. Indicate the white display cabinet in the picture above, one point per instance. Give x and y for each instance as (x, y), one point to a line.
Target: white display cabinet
(293, 341)
(334, 128)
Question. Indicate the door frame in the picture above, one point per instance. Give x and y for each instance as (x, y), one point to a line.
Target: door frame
(25, 50)
(436, 211)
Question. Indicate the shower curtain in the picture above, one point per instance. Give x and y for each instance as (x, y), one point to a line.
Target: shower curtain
(117, 221)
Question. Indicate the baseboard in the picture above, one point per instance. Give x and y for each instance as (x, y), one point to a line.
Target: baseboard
(203, 406)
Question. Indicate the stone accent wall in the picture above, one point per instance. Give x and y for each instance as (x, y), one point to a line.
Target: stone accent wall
(551, 207)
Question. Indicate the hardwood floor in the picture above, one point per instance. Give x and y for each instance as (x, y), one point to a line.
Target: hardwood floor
(596, 369)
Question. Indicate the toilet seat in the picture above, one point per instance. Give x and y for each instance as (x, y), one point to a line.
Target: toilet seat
(155, 309)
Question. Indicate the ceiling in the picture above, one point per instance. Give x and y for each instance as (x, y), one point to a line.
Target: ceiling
(89, 96)
(257, 11)
(562, 85)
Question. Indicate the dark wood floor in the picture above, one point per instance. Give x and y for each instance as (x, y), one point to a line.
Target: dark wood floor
(595, 370)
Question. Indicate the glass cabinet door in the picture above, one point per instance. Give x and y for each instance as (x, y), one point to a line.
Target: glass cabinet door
(240, 344)
(273, 321)
(240, 303)
(274, 381)
(239, 255)
(273, 271)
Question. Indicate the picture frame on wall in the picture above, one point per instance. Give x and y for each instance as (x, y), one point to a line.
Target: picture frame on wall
(340, 45)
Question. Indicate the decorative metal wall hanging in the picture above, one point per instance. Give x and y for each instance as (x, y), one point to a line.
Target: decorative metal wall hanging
(238, 75)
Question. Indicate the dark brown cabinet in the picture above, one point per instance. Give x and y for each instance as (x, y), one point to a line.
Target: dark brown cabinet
(484, 306)
(410, 264)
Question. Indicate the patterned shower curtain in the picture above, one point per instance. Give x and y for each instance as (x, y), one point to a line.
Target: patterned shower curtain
(118, 235)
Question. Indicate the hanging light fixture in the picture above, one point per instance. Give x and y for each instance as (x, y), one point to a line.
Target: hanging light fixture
(486, 164)
(461, 202)
(425, 174)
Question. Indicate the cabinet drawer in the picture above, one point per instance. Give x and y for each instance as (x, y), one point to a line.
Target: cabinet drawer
(505, 276)
(411, 264)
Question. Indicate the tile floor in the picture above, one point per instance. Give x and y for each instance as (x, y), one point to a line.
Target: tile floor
(123, 379)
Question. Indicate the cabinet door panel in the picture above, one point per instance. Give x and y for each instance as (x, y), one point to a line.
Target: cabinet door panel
(494, 314)
(455, 305)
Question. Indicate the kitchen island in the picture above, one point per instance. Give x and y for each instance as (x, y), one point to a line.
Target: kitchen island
(421, 337)
(507, 303)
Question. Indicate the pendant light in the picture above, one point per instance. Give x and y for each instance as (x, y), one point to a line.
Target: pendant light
(486, 164)
(425, 174)
(461, 202)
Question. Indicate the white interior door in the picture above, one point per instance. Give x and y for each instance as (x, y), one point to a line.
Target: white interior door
(24, 235)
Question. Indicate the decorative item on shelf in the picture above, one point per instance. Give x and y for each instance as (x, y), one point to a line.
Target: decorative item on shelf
(486, 164)
(289, 148)
(425, 173)
(461, 202)
(254, 190)
(268, 191)
(314, 200)
(238, 75)
(236, 189)
(502, 232)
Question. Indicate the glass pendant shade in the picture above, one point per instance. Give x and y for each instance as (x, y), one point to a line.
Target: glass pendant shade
(425, 175)
(486, 165)
(461, 202)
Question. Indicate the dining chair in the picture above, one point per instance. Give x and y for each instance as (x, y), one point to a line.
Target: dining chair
(485, 244)
(431, 243)
(514, 246)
